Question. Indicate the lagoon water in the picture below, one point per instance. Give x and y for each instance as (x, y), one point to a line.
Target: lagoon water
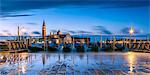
(129, 63)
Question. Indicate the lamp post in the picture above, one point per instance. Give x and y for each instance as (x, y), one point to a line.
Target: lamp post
(114, 42)
(20, 30)
(131, 31)
(101, 41)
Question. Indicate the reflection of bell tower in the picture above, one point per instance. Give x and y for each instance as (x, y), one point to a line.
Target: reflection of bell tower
(44, 31)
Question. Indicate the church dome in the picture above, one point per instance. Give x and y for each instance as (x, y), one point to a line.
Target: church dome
(59, 32)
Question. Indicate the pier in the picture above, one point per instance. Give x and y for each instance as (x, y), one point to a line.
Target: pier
(14, 46)
(114, 45)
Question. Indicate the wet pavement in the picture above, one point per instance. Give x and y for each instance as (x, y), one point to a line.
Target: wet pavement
(129, 63)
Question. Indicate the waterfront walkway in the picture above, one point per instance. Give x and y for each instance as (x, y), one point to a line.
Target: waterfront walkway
(21, 46)
(130, 63)
(68, 69)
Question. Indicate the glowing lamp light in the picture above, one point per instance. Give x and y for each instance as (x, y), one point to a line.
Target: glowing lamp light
(131, 31)
(23, 29)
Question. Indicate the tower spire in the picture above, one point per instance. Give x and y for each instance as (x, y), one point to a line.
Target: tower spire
(44, 30)
(44, 23)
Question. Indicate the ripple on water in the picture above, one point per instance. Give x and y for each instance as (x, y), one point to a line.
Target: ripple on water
(83, 63)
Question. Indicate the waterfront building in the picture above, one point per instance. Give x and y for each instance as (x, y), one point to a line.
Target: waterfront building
(60, 38)
(81, 40)
(59, 32)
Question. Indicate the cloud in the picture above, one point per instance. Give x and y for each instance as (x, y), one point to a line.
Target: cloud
(3, 19)
(15, 15)
(53, 31)
(1, 34)
(126, 30)
(5, 31)
(30, 23)
(102, 29)
(72, 32)
(84, 32)
(36, 32)
(8, 6)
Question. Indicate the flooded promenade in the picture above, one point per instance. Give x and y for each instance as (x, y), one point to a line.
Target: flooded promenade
(74, 37)
(102, 63)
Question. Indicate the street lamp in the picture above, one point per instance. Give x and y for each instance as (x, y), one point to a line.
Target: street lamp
(131, 31)
(101, 41)
(21, 31)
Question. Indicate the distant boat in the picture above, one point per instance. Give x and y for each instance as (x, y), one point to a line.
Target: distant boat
(35, 49)
(67, 48)
(52, 48)
(94, 48)
(60, 47)
(120, 47)
(80, 48)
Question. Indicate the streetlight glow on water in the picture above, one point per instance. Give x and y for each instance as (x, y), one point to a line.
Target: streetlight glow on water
(131, 61)
(48, 63)
(79, 37)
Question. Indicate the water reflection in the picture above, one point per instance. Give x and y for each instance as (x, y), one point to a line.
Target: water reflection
(131, 61)
(77, 63)
(24, 69)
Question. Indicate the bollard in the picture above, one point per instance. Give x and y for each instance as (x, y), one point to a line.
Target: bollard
(9, 45)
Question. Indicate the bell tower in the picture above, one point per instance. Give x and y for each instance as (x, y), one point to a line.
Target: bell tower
(44, 31)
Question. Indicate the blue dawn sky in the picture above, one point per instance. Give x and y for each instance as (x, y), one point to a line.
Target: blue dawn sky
(92, 16)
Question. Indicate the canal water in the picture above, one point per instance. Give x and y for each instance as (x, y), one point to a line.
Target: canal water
(129, 63)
